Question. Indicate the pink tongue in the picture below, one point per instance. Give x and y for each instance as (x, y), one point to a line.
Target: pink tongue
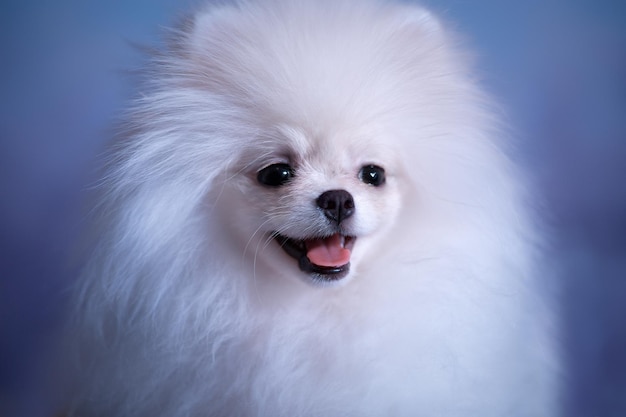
(327, 252)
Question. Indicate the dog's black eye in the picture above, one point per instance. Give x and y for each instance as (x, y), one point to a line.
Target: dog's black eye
(373, 175)
(275, 175)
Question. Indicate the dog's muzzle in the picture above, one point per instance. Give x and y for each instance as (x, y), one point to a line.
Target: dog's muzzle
(327, 258)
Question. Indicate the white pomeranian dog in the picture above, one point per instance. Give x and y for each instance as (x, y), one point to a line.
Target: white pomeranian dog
(312, 213)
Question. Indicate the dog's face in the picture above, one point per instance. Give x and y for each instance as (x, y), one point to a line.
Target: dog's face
(313, 205)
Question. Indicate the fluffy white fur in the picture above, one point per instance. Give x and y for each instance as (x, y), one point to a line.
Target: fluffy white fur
(188, 307)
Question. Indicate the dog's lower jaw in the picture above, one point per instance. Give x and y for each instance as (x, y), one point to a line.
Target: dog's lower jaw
(323, 273)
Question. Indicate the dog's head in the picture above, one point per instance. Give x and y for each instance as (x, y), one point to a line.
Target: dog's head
(324, 113)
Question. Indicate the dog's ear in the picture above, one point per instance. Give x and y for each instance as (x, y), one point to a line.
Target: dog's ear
(205, 22)
(415, 17)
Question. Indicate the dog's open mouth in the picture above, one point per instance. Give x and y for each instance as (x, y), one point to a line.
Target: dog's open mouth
(325, 258)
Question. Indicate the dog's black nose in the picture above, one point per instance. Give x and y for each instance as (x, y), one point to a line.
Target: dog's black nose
(337, 205)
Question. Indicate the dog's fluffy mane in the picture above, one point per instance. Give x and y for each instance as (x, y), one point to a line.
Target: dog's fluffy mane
(175, 319)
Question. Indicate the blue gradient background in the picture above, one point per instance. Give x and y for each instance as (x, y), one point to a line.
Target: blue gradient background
(559, 67)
